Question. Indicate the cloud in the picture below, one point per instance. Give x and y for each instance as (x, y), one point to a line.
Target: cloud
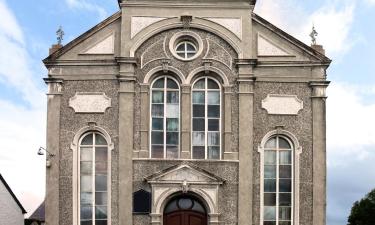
(85, 5)
(333, 21)
(22, 128)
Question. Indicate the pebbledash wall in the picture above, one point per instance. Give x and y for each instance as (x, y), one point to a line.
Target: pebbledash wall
(271, 84)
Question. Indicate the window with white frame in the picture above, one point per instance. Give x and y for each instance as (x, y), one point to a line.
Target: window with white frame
(206, 119)
(93, 179)
(278, 179)
(165, 118)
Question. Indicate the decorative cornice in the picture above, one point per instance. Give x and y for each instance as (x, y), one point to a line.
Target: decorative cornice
(126, 60)
(243, 62)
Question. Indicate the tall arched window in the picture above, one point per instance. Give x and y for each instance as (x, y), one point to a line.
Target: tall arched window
(206, 119)
(94, 173)
(165, 118)
(278, 177)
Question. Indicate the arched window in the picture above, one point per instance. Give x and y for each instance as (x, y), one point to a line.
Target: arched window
(206, 119)
(165, 118)
(94, 179)
(278, 180)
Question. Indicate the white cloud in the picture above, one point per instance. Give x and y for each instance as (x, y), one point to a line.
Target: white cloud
(83, 4)
(22, 128)
(333, 22)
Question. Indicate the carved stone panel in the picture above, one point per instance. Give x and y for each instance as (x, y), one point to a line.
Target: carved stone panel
(232, 24)
(90, 102)
(138, 23)
(282, 104)
(105, 46)
(267, 48)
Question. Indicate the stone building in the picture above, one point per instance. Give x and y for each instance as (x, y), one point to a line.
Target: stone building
(189, 112)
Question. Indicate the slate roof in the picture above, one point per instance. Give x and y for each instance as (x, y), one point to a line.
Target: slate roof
(12, 194)
(39, 213)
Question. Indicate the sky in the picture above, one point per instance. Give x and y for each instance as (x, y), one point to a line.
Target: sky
(346, 30)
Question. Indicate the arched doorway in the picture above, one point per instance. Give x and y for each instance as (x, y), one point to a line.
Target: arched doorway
(185, 210)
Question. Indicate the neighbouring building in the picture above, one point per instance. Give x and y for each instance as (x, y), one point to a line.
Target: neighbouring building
(11, 210)
(186, 112)
(37, 217)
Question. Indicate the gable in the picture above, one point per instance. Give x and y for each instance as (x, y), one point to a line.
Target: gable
(4, 187)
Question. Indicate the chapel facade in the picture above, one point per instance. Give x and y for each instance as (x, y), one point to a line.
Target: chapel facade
(195, 112)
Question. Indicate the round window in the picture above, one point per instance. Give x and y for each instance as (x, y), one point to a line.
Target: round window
(186, 49)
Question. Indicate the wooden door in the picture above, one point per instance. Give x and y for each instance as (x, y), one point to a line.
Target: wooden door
(185, 217)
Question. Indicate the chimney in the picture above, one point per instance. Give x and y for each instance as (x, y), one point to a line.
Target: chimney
(54, 48)
(318, 48)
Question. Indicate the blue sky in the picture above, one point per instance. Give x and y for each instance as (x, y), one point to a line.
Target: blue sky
(345, 27)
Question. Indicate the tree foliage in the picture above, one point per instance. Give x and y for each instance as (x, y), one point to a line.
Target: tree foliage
(363, 211)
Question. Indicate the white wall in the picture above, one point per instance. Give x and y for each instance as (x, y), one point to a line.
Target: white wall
(10, 212)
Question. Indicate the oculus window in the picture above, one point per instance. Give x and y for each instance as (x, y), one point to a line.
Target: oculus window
(165, 118)
(186, 49)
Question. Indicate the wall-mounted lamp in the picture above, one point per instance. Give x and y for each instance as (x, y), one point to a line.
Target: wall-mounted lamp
(49, 155)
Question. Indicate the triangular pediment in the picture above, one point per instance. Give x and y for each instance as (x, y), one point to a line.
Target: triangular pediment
(268, 48)
(104, 46)
(181, 173)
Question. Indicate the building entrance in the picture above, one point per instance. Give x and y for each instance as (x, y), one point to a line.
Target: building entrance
(185, 210)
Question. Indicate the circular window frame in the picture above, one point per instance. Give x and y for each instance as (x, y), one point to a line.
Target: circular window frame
(186, 36)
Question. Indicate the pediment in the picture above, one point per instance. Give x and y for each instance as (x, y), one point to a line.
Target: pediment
(187, 173)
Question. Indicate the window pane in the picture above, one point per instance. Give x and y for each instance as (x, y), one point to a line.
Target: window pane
(100, 222)
(285, 199)
(101, 183)
(173, 111)
(172, 124)
(198, 152)
(211, 84)
(270, 172)
(213, 125)
(101, 212)
(190, 47)
(86, 222)
(284, 143)
(86, 183)
(213, 98)
(269, 213)
(198, 207)
(86, 198)
(198, 97)
(157, 97)
(159, 83)
(157, 123)
(269, 185)
(181, 54)
(198, 110)
(87, 140)
(157, 151)
(172, 138)
(285, 185)
(101, 198)
(198, 138)
(285, 213)
(171, 207)
(172, 97)
(213, 138)
(269, 223)
(172, 152)
(285, 223)
(157, 110)
(285, 157)
(271, 143)
(157, 137)
(213, 111)
(101, 167)
(171, 84)
(198, 124)
(99, 140)
(190, 55)
(270, 199)
(86, 154)
(86, 213)
(200, 84)
(270, 157)
(285, 171)
(101, 154)
(213, 152)
(181, 47)
(86, 168)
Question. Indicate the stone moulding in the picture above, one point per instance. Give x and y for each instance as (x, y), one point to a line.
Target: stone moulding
(90, 102)
(277, 104)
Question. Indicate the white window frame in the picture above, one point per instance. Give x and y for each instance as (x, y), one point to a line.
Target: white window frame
(165, 90)
(206, 90)
(296, 151)
(75, 148)
(186, 51)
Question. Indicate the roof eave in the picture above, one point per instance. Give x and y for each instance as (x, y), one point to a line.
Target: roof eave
(12, 194)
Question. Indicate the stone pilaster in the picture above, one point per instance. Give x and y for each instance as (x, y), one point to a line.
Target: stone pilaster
(319, 151)
(227, 108)
(245, 148)
(145, 121)
(126, 144)
(185, 122)
(53, 147)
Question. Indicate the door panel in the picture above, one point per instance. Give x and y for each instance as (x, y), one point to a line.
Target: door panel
(185, 218)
